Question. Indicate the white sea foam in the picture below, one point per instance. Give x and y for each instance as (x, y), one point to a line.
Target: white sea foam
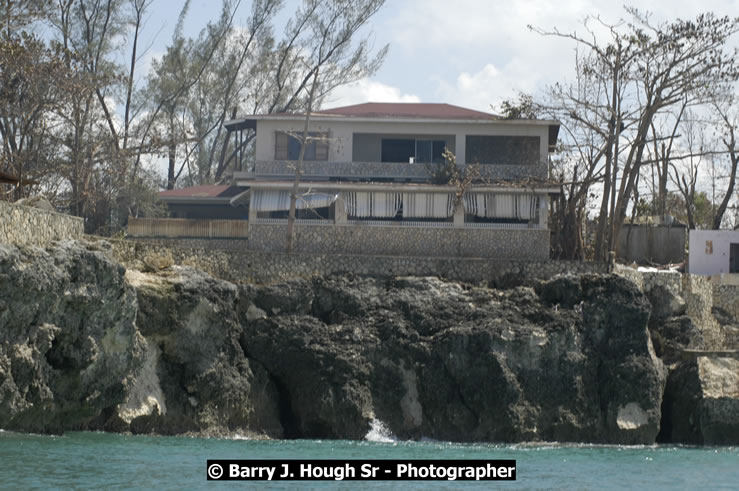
(380, 433)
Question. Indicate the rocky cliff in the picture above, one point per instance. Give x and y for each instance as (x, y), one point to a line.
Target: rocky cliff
(85, 344)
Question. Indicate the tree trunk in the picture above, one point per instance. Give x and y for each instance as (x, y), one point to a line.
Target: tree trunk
(172, 147)
(299, 169)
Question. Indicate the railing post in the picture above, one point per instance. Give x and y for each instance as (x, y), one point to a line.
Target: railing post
(339, 212)
(543, 211)
(252, 218)
(459, 216)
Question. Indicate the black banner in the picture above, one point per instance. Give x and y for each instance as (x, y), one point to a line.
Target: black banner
(361, 470)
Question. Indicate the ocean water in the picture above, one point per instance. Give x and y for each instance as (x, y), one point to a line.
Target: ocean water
(108, 461)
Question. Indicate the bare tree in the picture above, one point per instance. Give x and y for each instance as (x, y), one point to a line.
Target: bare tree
(641, 70)
(730, 120)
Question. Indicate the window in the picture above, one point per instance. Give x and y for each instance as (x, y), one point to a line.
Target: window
(396, 150)
(503, 150)
(421, 151)
(430, 151)
(287, 147)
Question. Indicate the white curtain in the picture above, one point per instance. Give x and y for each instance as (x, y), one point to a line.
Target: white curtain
(474, 204)
(428, 205)
(371, 204)
(275, 200)
(489, 205)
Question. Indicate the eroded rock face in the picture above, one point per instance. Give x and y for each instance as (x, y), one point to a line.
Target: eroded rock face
(436, 359)
(702, 402)
(86, 345)
(196, 377)
(68, 340)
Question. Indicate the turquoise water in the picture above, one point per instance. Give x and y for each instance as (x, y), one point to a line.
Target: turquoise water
(98, 460)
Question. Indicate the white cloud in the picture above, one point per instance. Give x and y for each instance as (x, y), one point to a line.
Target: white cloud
(488, 86)
(477, 52)
(367, 90)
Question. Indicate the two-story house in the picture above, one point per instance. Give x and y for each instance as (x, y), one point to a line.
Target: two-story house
(371, 183)
(367, 183)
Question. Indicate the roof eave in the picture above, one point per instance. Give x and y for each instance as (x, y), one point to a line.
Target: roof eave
(365, 119)
(194, 200)
(385, 186)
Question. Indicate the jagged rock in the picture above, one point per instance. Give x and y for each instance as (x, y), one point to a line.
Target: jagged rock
(564, 290)
(286, 298)
(438, 359)
(202, 381)
(671, 336)
(665, 303)
(68, 342)
(86, 345)
(154, 262)
(321, 375)
(702, 402)
(729, 327)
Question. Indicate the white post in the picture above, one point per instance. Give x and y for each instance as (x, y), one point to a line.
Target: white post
(339, 212)
(543, 211)
(252, 218)
(459, 216)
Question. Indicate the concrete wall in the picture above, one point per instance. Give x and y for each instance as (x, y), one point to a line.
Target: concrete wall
(709, 251)
(228, 259)
(519, 244)
(659, 244)
(24, 225)
(341, 134)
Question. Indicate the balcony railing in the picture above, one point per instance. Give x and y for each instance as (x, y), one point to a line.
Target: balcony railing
(187, 228)
(402, 223)
(386, 170)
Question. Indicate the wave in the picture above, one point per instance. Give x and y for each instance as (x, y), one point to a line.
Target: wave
(379, 433)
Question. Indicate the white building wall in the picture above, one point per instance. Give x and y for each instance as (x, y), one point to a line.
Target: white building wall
(709, 251)
(340, 133)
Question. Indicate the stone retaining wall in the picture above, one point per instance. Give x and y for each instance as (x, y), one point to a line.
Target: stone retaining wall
(696, 290)
(25, 225)
(515, 244)
(229, 259)
(727, 298)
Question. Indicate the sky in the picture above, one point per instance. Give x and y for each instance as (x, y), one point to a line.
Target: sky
(472, 53)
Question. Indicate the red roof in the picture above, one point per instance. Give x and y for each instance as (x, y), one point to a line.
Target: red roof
(407, 110)
(196, 192)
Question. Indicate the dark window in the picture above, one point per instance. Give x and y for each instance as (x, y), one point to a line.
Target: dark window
(396, 150)
(430, 151)
(422, 151)
(502, 150)
(733, 258)
(287, 147)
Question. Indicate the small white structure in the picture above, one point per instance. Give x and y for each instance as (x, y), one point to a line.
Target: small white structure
(713, 252)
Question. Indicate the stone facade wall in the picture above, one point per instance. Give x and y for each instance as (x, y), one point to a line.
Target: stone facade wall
(392, 170)
(516, 244)
(697, 291)
(25, 225)
(230, 260)
(727, 298)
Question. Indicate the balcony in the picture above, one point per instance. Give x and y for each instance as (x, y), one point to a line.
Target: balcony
(321, 170)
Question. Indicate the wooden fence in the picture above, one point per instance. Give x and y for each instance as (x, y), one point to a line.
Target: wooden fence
(186, 227)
